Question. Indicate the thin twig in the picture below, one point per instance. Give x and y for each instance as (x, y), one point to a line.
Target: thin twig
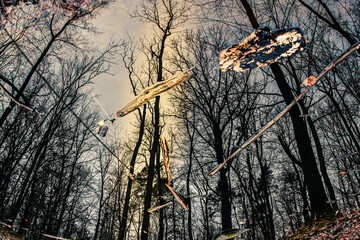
(17, 102)
(158, 207)
(344, 156)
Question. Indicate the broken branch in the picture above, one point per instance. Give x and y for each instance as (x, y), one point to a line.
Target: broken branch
(154, 90)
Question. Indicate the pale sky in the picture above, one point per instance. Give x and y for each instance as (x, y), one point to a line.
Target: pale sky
(115, 23)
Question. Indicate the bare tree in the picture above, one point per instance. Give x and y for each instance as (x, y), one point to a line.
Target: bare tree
(165, 16)
(219, 102)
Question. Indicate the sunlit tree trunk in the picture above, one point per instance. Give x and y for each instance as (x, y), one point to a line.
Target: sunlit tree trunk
(223, 182)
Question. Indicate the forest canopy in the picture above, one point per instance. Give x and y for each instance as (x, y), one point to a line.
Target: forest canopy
(244, 124)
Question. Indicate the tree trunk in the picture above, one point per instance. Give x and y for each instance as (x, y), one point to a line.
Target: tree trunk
(223, 182)
(155, 145)
(35, 165)
(174, 218)
(64, 200)
(264, 186)
(321, 158)
(317, 194)
(191, 151)
(123, 220)
(150, 178)
(312, 179)
(12, 104)
(160, 194)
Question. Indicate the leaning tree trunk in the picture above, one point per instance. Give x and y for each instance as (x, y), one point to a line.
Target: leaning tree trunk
(33, 69)
(312, 178)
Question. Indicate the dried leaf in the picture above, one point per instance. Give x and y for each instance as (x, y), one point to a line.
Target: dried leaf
(231, 234)
(11, 8)
(309, 81)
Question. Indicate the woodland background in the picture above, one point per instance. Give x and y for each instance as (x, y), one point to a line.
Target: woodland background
(56, 178)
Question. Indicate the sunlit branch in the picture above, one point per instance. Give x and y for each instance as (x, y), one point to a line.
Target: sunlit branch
(17, 102)
(154, 90)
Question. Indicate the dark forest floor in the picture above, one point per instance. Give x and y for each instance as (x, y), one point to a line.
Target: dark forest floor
(7, 234)
(346, 226)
